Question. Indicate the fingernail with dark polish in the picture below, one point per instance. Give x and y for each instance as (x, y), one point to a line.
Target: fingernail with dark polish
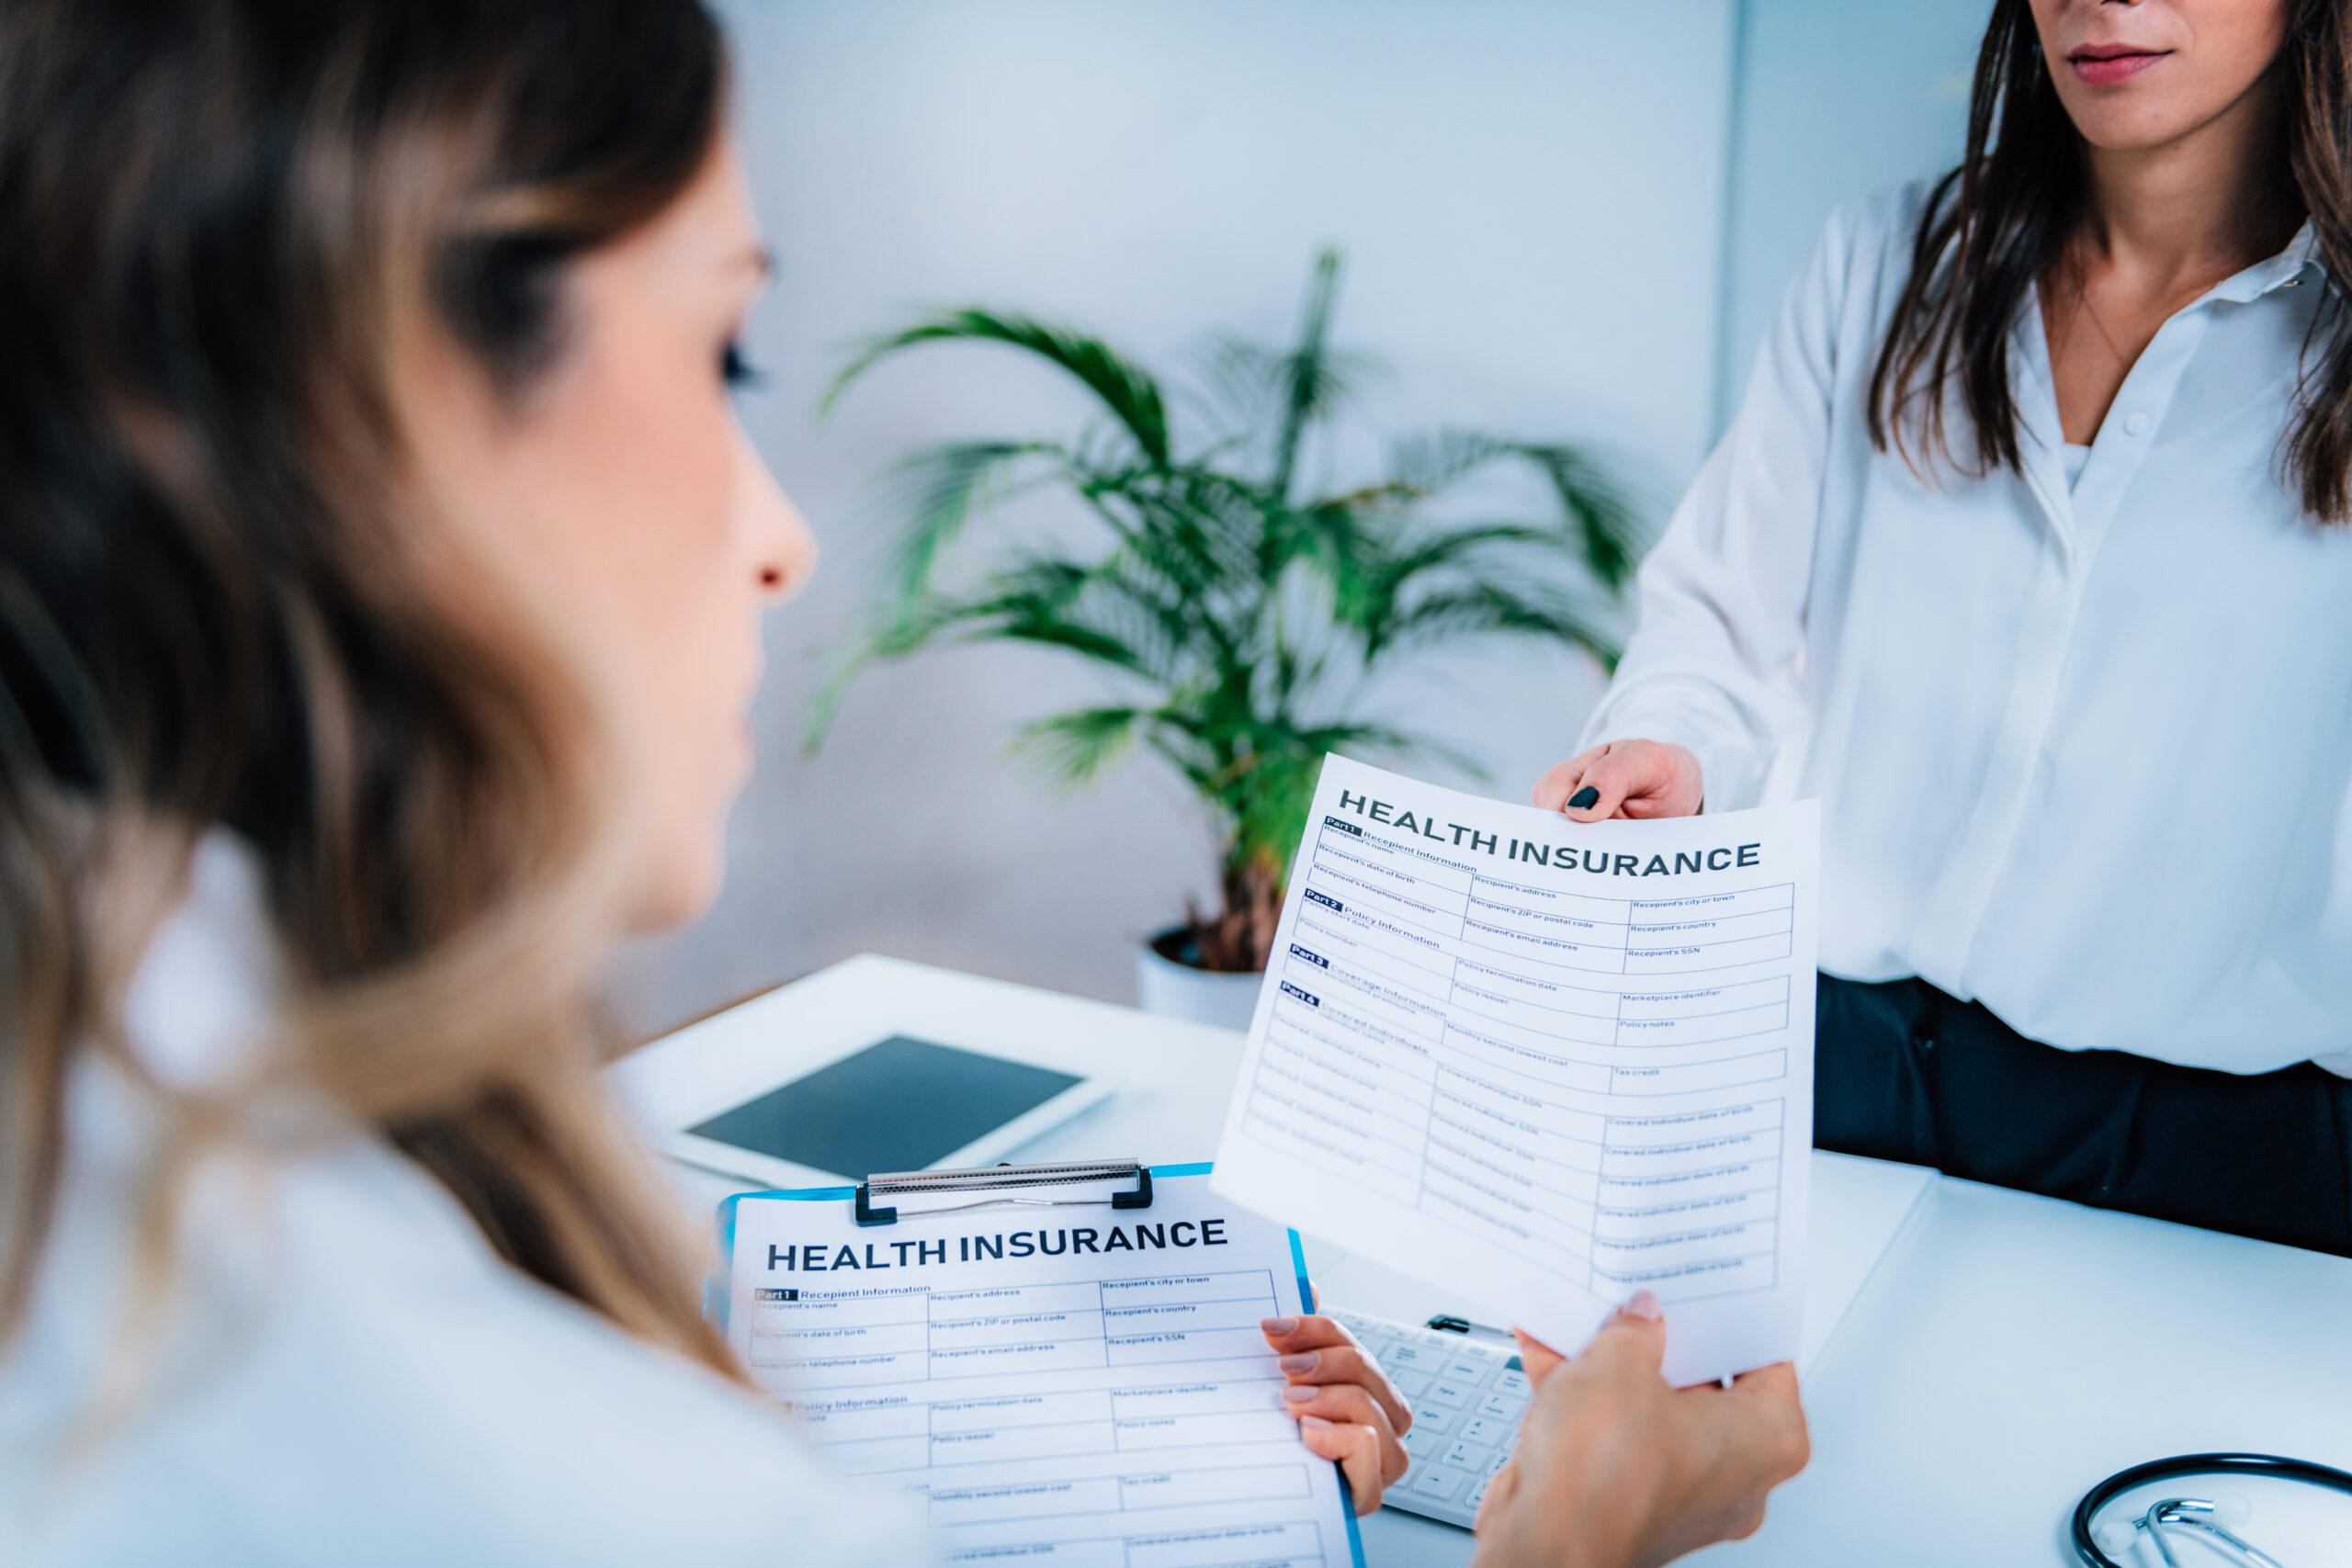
(1584, 797)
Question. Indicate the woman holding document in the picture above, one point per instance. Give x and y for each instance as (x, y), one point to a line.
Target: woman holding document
(2032, 538)
(383, 568)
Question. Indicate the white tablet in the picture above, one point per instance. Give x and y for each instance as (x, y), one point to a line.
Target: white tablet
(899, 1104)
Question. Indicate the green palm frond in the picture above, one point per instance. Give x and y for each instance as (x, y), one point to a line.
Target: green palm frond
(1125, 390)
(1471, 545)
(1162, 524)
(1429, 462)
(1249, 385)
(1239, 622)
(1040, 601)
(900, 635)
(1058, 604)
(1240, 518)
(1395, 571)
(1079, 745)
(1307, 378)
(1150, 615)
(1603, 515)
(1485, 609)
(940, 489)
(1347, 546)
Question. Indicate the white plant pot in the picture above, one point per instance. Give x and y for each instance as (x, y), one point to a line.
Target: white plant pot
(1179, 990)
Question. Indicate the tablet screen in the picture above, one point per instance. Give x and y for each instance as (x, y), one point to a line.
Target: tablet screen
(899, 1104)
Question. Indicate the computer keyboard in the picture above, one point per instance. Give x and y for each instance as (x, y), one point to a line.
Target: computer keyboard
(1466, 1394)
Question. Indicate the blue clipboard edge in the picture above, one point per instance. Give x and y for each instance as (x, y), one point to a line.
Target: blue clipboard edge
(714, 1293)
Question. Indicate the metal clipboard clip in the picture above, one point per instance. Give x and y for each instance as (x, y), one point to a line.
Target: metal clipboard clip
(1008, 1186)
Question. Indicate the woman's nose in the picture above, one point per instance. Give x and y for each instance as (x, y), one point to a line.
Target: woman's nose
(783, 552)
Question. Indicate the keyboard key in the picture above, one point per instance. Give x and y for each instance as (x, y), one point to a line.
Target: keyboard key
(1439, 1482)
(1469, 1456)
(1466, 1398)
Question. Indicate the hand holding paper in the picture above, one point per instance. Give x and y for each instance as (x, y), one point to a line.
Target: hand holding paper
(1544, 1064)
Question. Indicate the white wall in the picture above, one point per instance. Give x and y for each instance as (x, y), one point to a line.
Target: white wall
(1528, 192)
(1831, 99)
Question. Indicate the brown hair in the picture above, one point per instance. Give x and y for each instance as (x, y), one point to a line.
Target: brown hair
(227, 599)
(2001, 219)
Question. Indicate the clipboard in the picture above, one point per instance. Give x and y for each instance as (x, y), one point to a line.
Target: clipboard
(1105, 1311)
(1018, 1185)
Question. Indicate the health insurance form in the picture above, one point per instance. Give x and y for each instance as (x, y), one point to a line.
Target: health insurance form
(1542, 1063)
(1073, 1386)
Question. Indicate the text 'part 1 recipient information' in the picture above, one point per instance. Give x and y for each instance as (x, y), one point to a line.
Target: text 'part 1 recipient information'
(1544, 1064)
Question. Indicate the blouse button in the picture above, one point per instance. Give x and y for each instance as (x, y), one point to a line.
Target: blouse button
(2136, 425)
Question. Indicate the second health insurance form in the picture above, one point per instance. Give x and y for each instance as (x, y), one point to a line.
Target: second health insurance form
(1545, 1063)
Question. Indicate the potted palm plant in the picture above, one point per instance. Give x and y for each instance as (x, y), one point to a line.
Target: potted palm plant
(1240, 612)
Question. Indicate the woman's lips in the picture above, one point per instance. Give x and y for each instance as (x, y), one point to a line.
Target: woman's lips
(2106, 69)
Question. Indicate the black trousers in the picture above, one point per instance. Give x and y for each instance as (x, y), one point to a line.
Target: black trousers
(1905, 1072)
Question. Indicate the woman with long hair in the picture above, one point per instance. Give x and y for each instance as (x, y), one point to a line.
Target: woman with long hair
(381, 573)
(2029, 552)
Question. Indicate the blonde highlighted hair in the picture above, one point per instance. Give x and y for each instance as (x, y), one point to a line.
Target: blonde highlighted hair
(226, 598)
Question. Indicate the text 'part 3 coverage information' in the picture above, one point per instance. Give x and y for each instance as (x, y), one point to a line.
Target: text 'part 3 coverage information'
(1544, 1064)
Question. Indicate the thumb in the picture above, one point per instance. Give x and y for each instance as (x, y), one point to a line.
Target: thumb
(1355, 1449)
(1639, 1318)
(1537, 1359)
(1625, 769)
(1633, 1335)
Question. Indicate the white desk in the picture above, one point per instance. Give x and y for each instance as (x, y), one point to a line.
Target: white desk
(2006, 1351)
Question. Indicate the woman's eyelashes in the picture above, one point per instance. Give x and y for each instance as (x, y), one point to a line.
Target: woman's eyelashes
(735, 370)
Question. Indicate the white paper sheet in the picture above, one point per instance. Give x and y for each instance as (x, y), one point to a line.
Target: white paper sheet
(1544, 1064)
(1109, 1404)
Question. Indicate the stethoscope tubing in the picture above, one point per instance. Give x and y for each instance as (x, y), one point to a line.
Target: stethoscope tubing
(2182, 1466)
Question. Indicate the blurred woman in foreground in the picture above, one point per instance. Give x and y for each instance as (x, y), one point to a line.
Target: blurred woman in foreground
(381, 573)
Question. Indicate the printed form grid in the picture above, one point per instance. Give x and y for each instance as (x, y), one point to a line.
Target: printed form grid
(915, 1381)
(1425, 1010)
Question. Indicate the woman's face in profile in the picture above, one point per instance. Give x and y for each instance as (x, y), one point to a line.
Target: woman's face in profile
(634, 513)
(2142, 75)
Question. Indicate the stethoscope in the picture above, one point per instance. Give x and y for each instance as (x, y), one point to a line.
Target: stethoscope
(2194, 1516)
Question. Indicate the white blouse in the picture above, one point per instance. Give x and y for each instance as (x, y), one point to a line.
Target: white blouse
(347, 1373)
(2083, 750)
